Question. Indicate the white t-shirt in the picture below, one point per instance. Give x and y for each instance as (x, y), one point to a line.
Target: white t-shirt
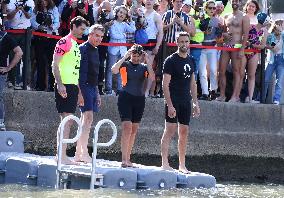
(20, 21)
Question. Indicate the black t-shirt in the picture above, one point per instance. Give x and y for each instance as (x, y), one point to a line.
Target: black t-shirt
(181, 71)
(133, 77)
(7, 44)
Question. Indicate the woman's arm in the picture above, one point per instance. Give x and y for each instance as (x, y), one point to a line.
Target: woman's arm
(116, 66)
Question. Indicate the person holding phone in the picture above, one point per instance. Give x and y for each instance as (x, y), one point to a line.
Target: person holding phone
(176, 21)
(209, 56)
(122, 24)
(131, 100)
(275, 57)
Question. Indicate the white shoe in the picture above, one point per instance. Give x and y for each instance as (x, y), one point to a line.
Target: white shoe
(247, 100)
(276, 102)
(2, 127)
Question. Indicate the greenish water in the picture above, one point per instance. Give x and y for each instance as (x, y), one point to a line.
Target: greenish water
(221, 191)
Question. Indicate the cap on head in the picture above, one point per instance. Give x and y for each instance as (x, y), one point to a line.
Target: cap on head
(187, 2)
(262, 18)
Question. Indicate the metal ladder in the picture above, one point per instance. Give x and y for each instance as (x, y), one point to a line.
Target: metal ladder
(61, 172)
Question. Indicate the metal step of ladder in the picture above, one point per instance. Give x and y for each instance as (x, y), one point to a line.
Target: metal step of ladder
(64, 171)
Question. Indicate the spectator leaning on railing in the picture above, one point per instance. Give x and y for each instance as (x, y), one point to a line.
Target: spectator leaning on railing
(45, 18)
(7, 44)
(19, 14)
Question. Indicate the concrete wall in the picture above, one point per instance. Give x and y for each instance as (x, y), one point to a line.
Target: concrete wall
(223, 128)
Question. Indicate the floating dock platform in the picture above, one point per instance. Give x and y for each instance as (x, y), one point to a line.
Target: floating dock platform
(18, 167)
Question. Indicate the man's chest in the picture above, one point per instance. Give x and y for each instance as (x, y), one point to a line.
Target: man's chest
(234, 21)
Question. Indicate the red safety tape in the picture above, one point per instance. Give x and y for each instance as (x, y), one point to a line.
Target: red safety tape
(217, 48)
(130, 44)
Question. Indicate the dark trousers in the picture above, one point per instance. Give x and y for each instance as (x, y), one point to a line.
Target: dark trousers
(44, 48)
(15, 75)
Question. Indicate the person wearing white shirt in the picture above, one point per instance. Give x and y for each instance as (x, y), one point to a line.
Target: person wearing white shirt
(19, 14)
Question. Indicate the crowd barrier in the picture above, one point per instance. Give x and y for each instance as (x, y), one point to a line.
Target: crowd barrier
(29, 34)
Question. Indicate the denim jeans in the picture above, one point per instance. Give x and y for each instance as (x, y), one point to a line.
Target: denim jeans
(2, 85)
(112, 59)
(208, 56)
(195, 53)
(278, 68)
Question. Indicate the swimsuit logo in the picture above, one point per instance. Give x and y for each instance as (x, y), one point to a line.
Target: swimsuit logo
(187, 69)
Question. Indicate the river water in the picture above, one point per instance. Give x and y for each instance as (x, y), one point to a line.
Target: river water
(230, 190)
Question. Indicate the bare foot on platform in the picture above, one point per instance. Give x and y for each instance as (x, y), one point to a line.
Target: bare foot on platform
(83, 158)
(67, 161)
(167, 167)
(183, 170)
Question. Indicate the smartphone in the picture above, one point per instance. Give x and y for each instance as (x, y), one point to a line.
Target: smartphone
(178, 14)
(201, 12)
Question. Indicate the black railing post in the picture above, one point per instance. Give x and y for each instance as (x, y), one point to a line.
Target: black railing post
(26, 60)
(262, 77)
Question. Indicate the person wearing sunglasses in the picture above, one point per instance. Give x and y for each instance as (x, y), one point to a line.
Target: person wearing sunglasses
(131, 99)
(209, 56)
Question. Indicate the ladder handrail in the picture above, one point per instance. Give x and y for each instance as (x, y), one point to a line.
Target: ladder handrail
(60, 140)
(96, 144)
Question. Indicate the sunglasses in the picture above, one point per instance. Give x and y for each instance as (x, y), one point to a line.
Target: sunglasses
(211, 8)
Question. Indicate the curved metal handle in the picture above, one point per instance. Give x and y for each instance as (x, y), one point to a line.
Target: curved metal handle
(79, 131)
(114, 129)
(96, 144)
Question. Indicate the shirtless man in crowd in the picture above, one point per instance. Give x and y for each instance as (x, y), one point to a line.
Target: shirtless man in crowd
(236, 35)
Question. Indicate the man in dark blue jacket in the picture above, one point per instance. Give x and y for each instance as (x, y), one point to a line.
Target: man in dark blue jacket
(88, 82)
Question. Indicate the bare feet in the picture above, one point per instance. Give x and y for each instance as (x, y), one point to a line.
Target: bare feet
(83, 158)
(125, 164)
(167, 167)
(183, 170)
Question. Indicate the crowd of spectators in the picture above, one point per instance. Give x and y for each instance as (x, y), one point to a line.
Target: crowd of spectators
(144, 21)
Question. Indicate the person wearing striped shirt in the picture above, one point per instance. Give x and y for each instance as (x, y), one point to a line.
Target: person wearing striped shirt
(176, 21)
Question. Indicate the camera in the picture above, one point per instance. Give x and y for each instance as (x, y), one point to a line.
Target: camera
(178, 14)
(22, 3)
(81, 4)
(134, 3)
(44, 18)
(273, 44)
(103, 17)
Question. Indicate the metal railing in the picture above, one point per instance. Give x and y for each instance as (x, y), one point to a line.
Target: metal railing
(96, 144)
(60, 141)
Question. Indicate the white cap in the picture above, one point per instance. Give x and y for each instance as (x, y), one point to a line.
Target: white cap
(187, 2)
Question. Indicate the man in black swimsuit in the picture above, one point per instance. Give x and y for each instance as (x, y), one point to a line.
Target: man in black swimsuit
(179, 88)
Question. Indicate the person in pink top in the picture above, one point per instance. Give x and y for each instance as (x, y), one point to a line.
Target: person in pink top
(65, 68)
